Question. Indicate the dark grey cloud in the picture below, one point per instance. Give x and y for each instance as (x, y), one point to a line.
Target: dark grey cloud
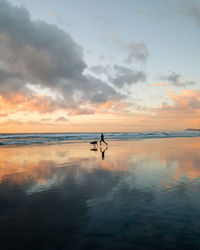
(42, 54)
(5, 75)
(119, 76)
(126, 76)
(100, 69)
(175, 80)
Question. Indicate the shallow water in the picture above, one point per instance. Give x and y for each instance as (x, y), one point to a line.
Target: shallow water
(134, 195)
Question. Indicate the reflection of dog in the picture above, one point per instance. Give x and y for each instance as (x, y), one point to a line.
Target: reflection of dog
(94, 149)
(94, 143)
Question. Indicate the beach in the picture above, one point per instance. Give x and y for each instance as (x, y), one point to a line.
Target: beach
(133, 194)
(99, 125)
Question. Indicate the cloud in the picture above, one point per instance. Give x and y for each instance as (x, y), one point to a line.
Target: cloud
(62, 119)
(171, 91)
(20, 102)
(159, 84)
(135, 51)
(189, 99)
(187, 102)
(41, 54)
(100, 69)
(113, 106)
(11, 122)
(182, 112)
(3, 114)
(175, 80)
(21, 124)
(45, 119)
(83, 111)
(119, 76)
(126, 76)
(5, 74)
(181, 8)
(190, 8)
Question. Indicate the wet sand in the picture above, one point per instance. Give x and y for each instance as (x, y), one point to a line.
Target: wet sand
(132, 195)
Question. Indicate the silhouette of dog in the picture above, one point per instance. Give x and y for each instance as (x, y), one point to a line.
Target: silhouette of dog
(94, 143)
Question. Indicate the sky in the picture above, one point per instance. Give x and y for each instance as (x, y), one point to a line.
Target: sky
(99, 66)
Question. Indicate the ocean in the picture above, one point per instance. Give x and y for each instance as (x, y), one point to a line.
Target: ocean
(53, 138)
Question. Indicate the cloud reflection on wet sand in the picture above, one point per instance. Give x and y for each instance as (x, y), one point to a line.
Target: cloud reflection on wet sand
(143, 194)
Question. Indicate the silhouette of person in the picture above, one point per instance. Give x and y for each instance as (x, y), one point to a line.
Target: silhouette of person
(103, 153)
(102, 139)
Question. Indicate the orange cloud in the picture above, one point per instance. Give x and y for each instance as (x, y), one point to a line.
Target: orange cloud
(113, 115)
(171, 91)
(44, 104)
(159, 84)
(3, 114)
(183, 112)
(24, 102)
(112, 105)
(188, 100)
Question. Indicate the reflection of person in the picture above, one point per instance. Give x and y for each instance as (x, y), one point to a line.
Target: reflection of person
(102, 139)
(103, 153)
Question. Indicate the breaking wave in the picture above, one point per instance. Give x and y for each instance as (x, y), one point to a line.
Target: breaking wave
(40, 138)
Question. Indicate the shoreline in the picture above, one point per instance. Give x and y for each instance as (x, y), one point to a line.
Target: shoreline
(66, 142)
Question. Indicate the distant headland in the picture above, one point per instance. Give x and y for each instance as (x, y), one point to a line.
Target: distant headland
(192, 129)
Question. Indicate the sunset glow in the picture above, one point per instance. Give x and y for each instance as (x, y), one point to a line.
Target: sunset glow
(55, 77)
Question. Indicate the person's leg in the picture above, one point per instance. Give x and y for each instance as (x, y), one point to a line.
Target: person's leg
(105, 142)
